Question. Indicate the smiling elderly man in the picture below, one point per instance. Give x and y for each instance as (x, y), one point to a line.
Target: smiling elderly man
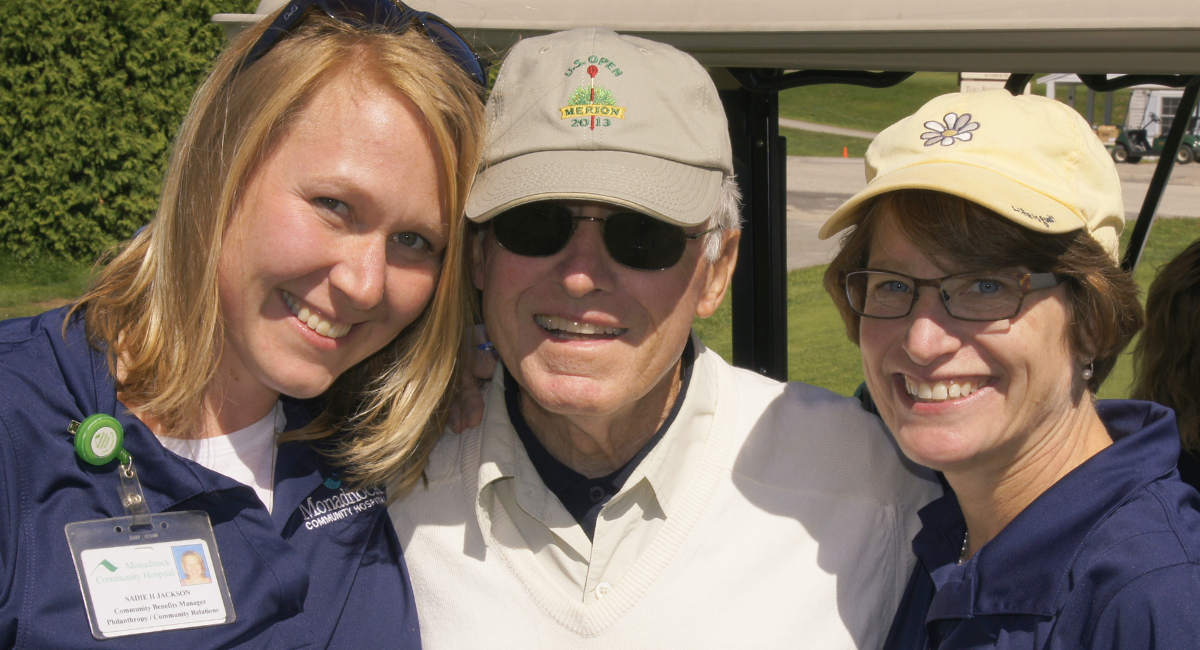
(628, 488)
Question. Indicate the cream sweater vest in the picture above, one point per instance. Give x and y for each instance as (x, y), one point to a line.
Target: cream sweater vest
(794, 532)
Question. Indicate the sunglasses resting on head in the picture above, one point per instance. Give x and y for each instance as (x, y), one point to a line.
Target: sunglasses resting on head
(634, 240)
(387, 15)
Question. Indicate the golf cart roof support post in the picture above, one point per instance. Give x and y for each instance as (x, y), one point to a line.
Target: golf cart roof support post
(1016, 82)
(760, 160)
(1162, 174)
(760, 280)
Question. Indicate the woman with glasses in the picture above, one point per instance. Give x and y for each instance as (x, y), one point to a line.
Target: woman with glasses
(251, 375)
(978, 274)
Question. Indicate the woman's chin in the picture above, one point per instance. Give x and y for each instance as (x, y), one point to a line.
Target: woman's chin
(938, 449)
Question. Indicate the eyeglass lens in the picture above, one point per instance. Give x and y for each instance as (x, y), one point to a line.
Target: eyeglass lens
(970, 296)
(635, 240)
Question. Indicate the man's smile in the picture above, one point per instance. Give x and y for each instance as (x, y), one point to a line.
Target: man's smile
(572, 330)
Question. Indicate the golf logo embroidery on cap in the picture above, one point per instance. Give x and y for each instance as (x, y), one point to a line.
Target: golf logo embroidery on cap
(592, 106)
(956, 127)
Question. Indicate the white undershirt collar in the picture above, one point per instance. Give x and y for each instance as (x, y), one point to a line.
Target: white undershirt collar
(246, 456)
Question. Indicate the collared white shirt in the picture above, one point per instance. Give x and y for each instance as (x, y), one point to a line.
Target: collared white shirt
(627, 523)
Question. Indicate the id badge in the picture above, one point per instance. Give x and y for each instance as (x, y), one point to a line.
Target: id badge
(161, 572)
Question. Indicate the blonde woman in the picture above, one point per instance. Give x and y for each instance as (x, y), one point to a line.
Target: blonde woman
(194, 568)
(304, 272)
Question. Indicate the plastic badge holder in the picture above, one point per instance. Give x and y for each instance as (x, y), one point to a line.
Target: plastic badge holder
(145, 572)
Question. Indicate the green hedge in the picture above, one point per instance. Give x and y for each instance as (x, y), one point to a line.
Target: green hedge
(91, 92)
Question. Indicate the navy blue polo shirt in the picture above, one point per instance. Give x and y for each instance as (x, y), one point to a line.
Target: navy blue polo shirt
(324, 570)
(1108, 557)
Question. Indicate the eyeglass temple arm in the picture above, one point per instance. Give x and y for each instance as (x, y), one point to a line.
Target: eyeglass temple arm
(1044, 280)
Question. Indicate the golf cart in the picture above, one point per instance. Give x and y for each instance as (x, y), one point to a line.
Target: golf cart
(757, 48)
(1132, 144)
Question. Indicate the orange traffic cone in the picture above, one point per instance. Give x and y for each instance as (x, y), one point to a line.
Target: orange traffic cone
(845, 152)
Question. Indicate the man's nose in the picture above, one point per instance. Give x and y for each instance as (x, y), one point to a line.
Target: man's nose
(585, 266)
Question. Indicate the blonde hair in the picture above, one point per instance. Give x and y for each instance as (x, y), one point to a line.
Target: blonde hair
(155, 307)
(1167, 358)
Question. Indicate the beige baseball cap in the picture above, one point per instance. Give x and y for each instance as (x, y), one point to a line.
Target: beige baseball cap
(1028, 158)
(590, 114)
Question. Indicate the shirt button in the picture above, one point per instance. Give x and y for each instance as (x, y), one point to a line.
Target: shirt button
(596, 494)
(602, 590)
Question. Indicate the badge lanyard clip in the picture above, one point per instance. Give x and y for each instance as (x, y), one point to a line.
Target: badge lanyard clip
(99, 440)
(131, 494)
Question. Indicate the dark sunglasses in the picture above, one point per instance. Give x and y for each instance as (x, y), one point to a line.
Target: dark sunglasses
(388, 15)
(634, 240)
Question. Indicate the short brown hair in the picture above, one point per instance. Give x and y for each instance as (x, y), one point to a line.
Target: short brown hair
(1105, 312)
(1167, 358)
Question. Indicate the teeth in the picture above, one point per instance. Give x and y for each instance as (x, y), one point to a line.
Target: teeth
(314, 321)
(940, 391)
(554, 323)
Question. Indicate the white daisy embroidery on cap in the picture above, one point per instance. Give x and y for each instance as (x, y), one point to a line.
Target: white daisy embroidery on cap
(956, 127)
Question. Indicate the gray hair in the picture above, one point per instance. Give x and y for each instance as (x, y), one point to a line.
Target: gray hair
(726, 217)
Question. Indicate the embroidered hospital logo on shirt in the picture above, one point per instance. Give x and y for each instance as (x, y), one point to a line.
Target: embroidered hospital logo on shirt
(345, 503)
(591, 105)
(955, 127)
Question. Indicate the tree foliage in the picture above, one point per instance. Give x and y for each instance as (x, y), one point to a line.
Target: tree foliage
(91, 93)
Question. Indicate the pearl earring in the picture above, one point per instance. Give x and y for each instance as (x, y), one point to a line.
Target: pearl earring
(1088, 370)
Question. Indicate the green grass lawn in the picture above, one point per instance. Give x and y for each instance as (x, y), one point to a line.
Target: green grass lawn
(29, 287)
(819, 352)
(813, 143)
(869, 109)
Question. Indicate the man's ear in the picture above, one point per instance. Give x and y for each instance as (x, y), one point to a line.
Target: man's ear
(720, 274)
(477, 258)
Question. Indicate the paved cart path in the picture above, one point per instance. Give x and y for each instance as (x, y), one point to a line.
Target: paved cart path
(825, 128)
(817, 186)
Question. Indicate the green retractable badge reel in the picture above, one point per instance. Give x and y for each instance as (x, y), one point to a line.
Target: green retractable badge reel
(99, 439)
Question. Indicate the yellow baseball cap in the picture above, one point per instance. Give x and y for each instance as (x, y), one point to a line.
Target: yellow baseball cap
(1028, 158)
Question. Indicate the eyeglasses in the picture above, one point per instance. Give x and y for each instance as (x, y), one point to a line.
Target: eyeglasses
(967, 296)
(389, 15)
(634, 240)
